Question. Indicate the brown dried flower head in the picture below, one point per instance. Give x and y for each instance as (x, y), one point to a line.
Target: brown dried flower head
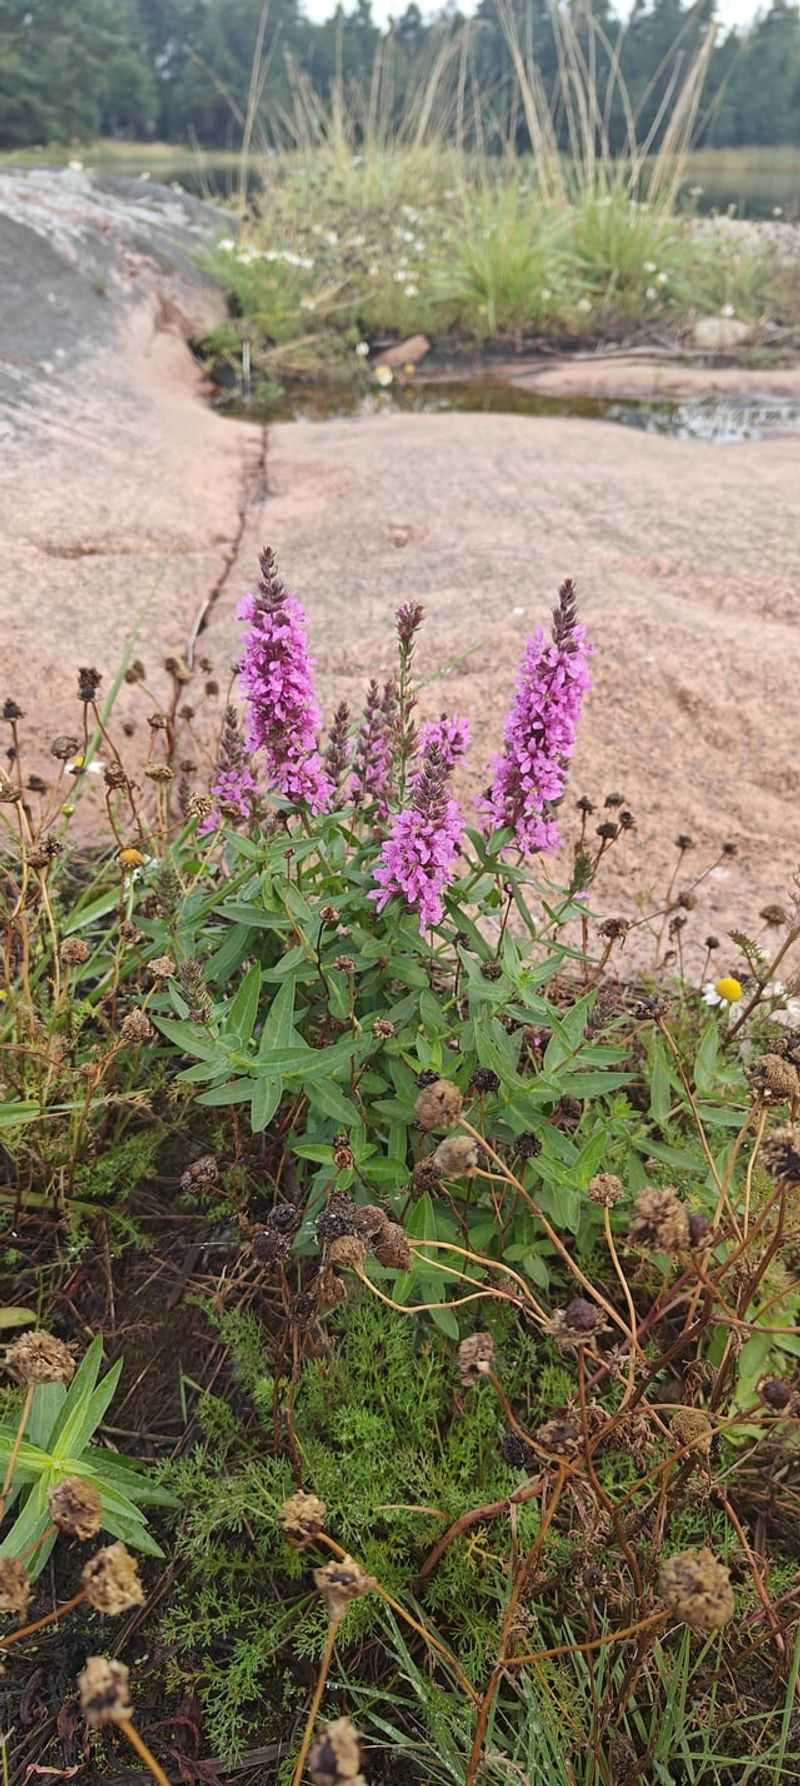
(605, 1189)
(426, 1176)
(110, 1580)
(577, 1324)
(336, 1755)
(693, 1428)
(777, 1393)
(347, 1252)
(104, 1692)
(301, 1519)
(774, 1080)
(391, 1247)
(660, 1221)
(15, 1588)
(695, 1586)
(369, 1220)
(341, 1582)
(136, 1028)
(780, 1156)
(74, 950)
(64, 746)
(75, 1507)
(329, 1288)
(475, 1357)
(40, 1358)
(457, 1156)
(559, 1436)
(162, 967)
(438, 1105)
(200, 806)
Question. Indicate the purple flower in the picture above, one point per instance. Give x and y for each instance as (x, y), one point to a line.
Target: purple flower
(418, 855)
(528, 779)
(372, 759)
(275, 673)
(449, 734)
(234, 789)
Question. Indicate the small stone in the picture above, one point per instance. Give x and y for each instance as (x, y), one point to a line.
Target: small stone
(717, 334)
(405, 353)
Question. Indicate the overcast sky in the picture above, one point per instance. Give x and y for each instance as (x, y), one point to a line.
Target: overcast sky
(729, 12)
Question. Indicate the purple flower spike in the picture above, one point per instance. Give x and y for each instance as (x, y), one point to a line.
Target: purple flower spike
(372, 760)
(418, 855)
(449, 734)
(529, 778)
(234, 789)
(276, 675)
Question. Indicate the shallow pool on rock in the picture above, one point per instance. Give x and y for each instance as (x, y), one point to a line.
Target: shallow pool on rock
(721, 419)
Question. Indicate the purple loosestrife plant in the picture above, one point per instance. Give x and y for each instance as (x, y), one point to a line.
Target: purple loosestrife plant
(417, 858)
(372, 759)
(276, 675)
(449, 734)
(234, 789)
(528, 779)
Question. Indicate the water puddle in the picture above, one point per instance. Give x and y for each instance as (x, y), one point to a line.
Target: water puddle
(721, 419)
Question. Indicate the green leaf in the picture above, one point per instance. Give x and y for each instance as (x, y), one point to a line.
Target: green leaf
(660, 1088)
(278, 1030)
(80, 1391)
(330, 1101)
(16, 1317)
(267, 1094)
(705, 1060)
(241, 1018)
(238, 1091)
(12, 1115)
(190, 1037)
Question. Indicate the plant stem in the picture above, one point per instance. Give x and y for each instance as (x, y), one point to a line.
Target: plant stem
(427, 1636)
(595, 1643)
(324, 1666)
(16, 1447)
(50, 1618)
(748, 1183)
(138, 1743)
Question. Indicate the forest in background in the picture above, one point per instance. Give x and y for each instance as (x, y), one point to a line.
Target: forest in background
(180, 70)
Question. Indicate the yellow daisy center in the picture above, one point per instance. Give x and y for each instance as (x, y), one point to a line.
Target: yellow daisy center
(729, 989)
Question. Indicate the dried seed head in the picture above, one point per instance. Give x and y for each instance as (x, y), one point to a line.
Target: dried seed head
(438, 1105)
(202, 1177)
(483, 1080)
(104, 1692)
(15, 1588)
(392, 1249)
(343, 1156)
(162, 967)
(517, 1452)
(693, 1428)
(329, 1288)
(780, 1156)
(335, 1757)
(605, 1189)
(74, 951)
(40, 1358)
(660, 1221)
(301, 1519)
(774, 916)
(701, 1233)
(110, 1580)
(371, 1221)
(426, 1176)
(341, 1582)
(491, 970)
(528, 1145)
(199, 806)
(88, 683)
(475, 1357)
(75, 1507)
(348, 1252)
(697, 1587)
(382, 1029)
(559, 1436)
(777, 1393)
(136, 1028)
(340, 1216)
(160, 773)
(457, 1156)
(775, 1081)
(578, 1323)
(64, 746)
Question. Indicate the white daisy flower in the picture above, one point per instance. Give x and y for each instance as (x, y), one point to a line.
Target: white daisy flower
(410, 291)
(384, 375)
(76, 766)
(725, 991)
(362, 349)
(584, 305)
(651, 293)
(727, 310)
(650, 266)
